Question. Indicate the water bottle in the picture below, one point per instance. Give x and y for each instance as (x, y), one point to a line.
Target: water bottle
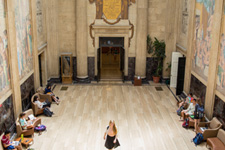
(22, 137)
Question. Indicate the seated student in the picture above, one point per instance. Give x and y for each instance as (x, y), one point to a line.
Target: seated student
(42, 104)
(6, 142)
(189, 111)
(188, 100)
(49, 91)
(25, 124)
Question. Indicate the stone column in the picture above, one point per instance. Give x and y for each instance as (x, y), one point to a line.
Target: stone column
(34, 43)
(142, 31)
(12, 45)
(170, 38)
(81, 40)
(191, 29)
(214, 57)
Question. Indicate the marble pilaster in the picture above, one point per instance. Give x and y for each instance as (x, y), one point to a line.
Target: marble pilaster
(142, 31)
(214, 55)
(81, 40)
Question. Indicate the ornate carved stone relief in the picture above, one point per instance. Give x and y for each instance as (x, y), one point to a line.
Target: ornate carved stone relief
(124, 7)
(184, 17)
(39, 17)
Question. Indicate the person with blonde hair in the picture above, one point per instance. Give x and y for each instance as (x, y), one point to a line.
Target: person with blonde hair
(111, 140)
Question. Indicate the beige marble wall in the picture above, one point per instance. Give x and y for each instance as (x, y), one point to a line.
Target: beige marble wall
(67, 26)
(133, 19)
(91, 14)
(170, 34)
(157, 13)
(52, 38)
(182, 22)
(141, 45)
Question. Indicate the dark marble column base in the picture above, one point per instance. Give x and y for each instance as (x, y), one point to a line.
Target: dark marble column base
(82, 80)
(54, 80)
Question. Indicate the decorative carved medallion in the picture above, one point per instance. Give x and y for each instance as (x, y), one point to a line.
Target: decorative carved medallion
(112, 9)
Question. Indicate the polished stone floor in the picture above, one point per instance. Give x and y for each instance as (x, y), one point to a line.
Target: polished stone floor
(146, 119)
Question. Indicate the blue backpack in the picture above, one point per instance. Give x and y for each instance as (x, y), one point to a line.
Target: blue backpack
(200, 109)
(198, 139)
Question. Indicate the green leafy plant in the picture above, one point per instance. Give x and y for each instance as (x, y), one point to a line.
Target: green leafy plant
(149, 44)
(158, 51)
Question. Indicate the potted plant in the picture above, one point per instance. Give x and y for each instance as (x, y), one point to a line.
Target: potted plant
(158, 50)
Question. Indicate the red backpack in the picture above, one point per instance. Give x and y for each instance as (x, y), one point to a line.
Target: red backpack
(186, 123)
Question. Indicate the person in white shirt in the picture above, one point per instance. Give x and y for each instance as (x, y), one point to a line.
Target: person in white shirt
(189, 111)
(41, 104)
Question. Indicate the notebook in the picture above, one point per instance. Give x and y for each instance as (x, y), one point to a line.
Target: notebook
(16, 143)
(31, 117)
(203, 128)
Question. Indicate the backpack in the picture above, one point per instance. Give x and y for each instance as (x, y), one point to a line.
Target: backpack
(47, 112)
(180, 110)
(40, 128)
(200, 111)
(198, 139)
(185, 123)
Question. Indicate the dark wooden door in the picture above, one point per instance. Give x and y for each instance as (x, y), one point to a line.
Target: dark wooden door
(180, 75)
(40, 70)
(122, 61)
(99, 65)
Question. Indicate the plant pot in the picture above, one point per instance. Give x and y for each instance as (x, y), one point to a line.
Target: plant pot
(156, 79)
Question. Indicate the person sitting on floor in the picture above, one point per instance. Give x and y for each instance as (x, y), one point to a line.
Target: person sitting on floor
(24, 123)
(42, 104)
(189, 111)
(188, 100)
(6, 142)
(49, 92)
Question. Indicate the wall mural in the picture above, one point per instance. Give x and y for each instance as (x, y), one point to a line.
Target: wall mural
(4, 66)
(221, 67)
(203, 37)
(23, 36)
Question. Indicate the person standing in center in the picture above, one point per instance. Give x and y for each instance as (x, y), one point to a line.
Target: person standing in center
(111, 139)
